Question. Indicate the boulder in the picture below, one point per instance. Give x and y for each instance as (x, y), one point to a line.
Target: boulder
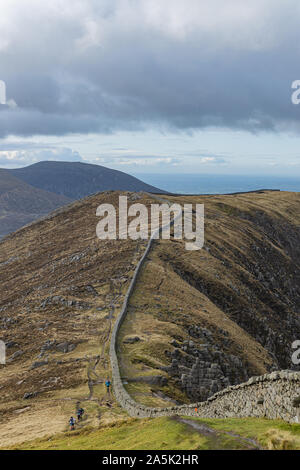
(65, 347)
(131, 340)
(29, 395)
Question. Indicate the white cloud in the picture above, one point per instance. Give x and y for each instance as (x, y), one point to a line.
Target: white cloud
(137, 161)
(19, 158)
(211, 160)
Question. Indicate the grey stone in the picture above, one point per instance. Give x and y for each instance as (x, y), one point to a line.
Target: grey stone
(131, 340)
(62, 347)
(15, 355)
(296, 402)
(28, 395)
(37, 364)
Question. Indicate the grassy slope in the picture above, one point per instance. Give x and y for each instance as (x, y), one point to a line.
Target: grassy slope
(169, 434)
(220, 288)
(61, 256)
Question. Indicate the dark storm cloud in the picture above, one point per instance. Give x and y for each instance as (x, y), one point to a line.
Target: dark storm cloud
(121, 65)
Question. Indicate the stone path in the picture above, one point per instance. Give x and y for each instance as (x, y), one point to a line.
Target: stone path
(205, 430)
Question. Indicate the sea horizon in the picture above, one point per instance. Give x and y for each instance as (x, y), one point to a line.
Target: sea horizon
(218, 184)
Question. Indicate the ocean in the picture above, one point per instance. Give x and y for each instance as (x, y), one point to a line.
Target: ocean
(218, 184)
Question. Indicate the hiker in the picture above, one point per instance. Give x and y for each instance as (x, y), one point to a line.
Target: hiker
(72, 423)
(80, 412)
(108, 384)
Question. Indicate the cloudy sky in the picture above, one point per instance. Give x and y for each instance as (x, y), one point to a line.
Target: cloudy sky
(152, 86)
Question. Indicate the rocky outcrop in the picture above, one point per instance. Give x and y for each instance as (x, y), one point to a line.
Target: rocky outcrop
(61, 301)
(201, 371)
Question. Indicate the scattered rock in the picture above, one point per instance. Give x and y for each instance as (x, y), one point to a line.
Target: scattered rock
(15, 355)
(58, 300)
(22, 410)
(37, 364)
(65, 347)
(29, 395)
(131, 340)
(89, 288)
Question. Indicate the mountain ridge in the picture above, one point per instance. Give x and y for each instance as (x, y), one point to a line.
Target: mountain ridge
(77, 180)
(197, 322)
(21, 203)
(29, 193)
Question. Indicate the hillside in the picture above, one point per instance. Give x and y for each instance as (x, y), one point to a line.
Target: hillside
(198, 321)
(215, 317)
(77, 180)
(61, 291)
(26, 194)
(21, 203)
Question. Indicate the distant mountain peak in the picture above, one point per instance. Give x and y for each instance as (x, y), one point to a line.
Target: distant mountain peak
(28, 193)
(76, 180)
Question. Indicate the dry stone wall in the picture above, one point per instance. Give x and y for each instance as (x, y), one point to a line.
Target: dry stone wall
(275, 395)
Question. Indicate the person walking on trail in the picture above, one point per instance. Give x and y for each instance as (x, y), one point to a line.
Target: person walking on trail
(80, 412)
(72, 423)
(108, 384)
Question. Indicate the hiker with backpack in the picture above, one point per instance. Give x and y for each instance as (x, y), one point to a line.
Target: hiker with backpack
(108, 384)
(72, 423)
(79, 413)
